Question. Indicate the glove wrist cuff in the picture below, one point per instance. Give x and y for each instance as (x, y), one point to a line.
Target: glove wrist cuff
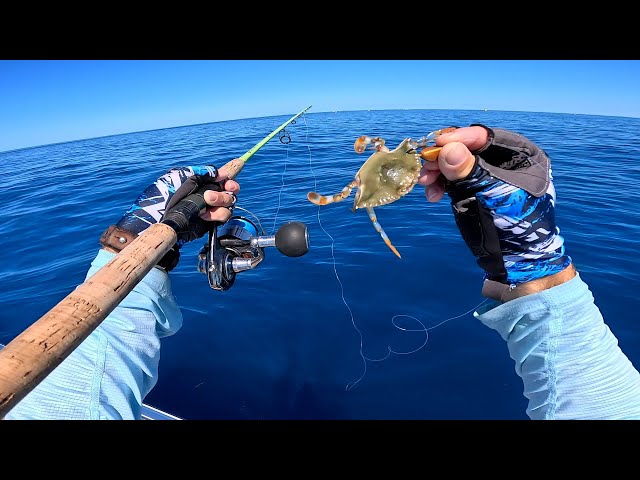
(490, 136)
(115, 238)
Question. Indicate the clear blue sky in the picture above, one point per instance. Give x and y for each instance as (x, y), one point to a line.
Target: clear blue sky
(51, 101)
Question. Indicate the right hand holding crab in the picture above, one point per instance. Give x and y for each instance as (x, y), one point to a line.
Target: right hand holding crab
(503, 200)
(455, 160)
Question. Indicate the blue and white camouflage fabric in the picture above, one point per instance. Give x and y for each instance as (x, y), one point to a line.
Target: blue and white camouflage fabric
(150, 206)
(505, 210)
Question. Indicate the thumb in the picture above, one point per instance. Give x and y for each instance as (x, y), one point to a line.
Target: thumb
(455, 161)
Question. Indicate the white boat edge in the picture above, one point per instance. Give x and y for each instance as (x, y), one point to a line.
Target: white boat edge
(149, 412)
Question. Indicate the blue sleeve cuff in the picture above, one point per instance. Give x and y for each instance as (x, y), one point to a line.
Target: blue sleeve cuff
(568, 358)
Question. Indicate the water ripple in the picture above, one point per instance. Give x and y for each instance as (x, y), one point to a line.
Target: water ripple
(285, 323)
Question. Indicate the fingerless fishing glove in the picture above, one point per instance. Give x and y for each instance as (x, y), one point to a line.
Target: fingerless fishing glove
(504, 210)
(152, 204)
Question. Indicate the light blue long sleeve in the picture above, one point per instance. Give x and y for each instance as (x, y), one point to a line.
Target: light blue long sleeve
(116, 366)
(568, 358)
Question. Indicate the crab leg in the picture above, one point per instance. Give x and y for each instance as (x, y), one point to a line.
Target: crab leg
(326, 199)
(379, 229)
(433, 135)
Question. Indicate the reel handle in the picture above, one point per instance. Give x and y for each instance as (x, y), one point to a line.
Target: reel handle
(292, 239)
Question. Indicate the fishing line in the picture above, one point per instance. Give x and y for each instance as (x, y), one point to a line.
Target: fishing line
(285, 139)
(390, 351)
(423, 329)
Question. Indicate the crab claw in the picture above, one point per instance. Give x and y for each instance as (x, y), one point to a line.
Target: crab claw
(430, 137)
(430, 154)
(442, 131)
(362, 141)
(436, 133)
(316, 198)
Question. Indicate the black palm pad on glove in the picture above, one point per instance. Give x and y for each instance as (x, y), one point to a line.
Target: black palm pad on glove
(165, 193)
(504, 210)
(153, 204)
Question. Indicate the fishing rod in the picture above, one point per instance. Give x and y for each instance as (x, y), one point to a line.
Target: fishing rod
(38, 350)
(236, 245)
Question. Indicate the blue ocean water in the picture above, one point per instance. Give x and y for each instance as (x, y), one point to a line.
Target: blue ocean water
(347, 331)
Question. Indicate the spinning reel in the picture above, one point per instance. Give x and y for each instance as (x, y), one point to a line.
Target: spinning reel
(235, 246)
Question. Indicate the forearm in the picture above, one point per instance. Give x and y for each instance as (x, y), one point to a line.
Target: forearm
(568, 358)
(112, 370)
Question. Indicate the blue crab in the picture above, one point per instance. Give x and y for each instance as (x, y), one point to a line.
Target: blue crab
(385, 176)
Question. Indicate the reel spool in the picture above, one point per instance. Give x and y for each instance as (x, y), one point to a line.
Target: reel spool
(236, 246)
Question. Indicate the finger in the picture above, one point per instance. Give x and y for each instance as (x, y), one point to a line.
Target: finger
(429, 166)
(428, 176)
(473, 137)
(216, 214)
(435, 191)
(219, 199)
(232, 186)
(455, 161)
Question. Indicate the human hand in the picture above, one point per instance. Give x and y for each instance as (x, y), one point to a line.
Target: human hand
(455, 160)
(503, 200)
(162, 195)
(221, 204)
(219, 198)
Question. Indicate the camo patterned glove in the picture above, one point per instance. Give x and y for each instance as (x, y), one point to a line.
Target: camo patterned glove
(504, 210)
(154, 201)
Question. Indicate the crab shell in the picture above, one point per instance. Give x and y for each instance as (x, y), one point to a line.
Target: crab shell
(387, 176)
